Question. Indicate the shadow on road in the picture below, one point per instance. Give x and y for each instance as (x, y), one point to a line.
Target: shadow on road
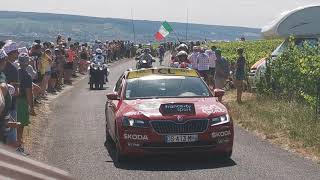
(174, 162)
(97, 89)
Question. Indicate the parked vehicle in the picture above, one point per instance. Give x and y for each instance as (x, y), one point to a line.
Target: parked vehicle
(302, 23)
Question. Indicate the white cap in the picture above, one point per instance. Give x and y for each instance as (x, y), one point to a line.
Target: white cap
(10, 46)
(11, 89)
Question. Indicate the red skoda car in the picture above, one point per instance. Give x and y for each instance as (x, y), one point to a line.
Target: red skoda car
(166, 110)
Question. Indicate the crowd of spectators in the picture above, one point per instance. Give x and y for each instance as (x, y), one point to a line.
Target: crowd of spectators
(210, 64)
(28, 75)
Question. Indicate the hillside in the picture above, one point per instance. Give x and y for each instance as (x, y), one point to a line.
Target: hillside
(28, 26)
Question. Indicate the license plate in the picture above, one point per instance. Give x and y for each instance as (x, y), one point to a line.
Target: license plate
(181, 138)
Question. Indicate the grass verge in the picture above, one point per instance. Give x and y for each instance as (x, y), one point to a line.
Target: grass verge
(289, 124)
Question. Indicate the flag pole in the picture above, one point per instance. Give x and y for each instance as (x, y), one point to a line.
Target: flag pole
(187, 24)
(133, 29)
(174, 32)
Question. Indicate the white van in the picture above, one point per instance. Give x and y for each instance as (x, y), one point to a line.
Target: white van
(303, 23)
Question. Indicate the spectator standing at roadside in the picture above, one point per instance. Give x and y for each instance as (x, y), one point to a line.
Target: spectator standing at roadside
(12, 74)
(240, 73)
(203, 64)
(76, 59)
(222, 70)
(60, 62)
(25, 98)
(84, 57)
(45, 70)
(68, 68)
(212, 63)
(69, 42)
(5, 99)
(193, 57)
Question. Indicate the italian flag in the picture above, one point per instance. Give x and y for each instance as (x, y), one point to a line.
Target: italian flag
(164, 31)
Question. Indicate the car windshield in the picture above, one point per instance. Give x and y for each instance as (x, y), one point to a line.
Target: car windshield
(300, 42)
(166, 87)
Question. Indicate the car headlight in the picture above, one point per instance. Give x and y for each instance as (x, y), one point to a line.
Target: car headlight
(220, 120)
(136, 123)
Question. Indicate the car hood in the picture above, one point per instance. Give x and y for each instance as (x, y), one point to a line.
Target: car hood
(150, 108)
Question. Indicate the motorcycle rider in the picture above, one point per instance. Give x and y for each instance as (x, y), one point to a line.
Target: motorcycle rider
(146, 56)
(98, 58)
(182, 60)
(161, 53)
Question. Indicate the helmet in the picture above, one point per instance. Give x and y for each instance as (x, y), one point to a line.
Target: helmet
(98, 51)
(182, 53)
(147, 50)
(182, 47)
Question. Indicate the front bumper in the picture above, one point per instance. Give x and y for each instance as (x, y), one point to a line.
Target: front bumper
(135, 141)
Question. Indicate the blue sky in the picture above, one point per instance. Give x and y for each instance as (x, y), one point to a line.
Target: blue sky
(249, 13)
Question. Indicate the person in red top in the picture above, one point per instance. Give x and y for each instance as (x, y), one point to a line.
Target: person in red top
(68, 68)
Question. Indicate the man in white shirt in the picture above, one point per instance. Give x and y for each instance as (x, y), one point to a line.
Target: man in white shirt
(193, 58)
(203, 64)
(212, 61)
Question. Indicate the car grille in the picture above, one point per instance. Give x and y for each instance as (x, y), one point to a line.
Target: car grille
(171, 127)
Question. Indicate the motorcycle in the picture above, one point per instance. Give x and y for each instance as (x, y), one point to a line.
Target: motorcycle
(142, 63)
(99, 73)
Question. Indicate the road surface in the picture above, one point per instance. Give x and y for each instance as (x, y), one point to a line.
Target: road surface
(74, 137)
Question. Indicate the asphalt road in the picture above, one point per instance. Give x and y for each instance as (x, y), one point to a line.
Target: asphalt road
(74, 137)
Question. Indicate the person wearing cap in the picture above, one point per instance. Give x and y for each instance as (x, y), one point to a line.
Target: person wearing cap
(25, 98)
(240, 73)
(11, 73)
(222, 71)
(7, 92)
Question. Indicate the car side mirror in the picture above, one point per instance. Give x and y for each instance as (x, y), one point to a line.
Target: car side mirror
(113, 96)
(218, 92)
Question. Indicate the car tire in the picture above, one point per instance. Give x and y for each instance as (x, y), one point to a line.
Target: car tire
(226, 155)
(108, 136)
(91, 86)
(118, 156)
(96, 85)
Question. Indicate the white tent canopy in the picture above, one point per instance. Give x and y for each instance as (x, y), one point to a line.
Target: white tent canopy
(303, 21)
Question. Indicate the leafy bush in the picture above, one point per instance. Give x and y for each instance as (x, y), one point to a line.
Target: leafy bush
(254, 50)
(296, 73)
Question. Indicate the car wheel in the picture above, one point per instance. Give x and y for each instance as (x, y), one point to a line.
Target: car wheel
(119, 157)
(226, 155)
(96, 85)
(91, 86)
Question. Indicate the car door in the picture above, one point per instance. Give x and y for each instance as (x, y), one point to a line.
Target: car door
(112, 108)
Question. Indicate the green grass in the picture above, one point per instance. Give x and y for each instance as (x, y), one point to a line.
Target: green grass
(288, 123)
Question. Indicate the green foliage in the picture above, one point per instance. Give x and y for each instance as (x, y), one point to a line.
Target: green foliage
(296, 73)
(254, 50)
